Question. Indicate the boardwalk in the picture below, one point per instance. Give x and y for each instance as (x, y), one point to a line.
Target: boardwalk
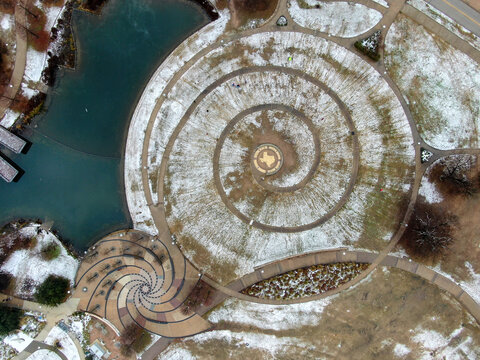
(7, 171)
(11, 141)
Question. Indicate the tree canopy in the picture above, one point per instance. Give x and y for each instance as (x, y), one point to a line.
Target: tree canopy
(52, 291)
(9, 319)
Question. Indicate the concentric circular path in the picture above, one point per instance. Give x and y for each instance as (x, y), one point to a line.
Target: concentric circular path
(342, 131)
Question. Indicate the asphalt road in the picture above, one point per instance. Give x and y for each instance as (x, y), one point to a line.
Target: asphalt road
(460, 12)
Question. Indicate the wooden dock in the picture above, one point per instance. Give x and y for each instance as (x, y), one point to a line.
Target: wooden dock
(11, 141)
(7, 171)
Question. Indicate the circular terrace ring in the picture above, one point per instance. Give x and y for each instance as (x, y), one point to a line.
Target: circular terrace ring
(267, 159)
(247, 218)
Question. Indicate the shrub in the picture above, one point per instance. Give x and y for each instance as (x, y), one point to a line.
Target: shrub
(457, 175)
(201, 295)
(52, 291)
(41, 41)
(50, 251)
(130, 334)
(93, 5)
(7, 6)
(142, 342)
(5, 280)
(9, 319)
(49, 3)
(369, 45)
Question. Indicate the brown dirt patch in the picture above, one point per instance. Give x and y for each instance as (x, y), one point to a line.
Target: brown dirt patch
(244, 10)
(466, 210)
(242, 181)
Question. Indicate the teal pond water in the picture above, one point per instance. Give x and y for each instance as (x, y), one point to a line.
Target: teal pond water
(74, 169)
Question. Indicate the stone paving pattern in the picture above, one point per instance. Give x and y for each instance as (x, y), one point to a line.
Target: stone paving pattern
(133, 277)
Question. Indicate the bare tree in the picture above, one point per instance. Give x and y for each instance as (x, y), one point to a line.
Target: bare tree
(428, 234)
(456, 171)
(432, 233)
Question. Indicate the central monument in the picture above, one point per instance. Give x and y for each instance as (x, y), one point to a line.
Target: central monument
(267, 159)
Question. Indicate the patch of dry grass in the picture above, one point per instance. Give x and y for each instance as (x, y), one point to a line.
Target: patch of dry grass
(365, 322)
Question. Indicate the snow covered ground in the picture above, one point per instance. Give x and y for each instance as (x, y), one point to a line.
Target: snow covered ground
(441, 84)
(446, 21)
(190, 175)
(66, 344)
(445, 346)
(9, 118)
(472, 286)
(266, 317)
(19, 341)
(78, 327)
(21, 262)
(340, 326)
(7, 22)
(34, 66)
(382, 2)
(429, 191)
(37, 61)
(43, 354)
(344, 19)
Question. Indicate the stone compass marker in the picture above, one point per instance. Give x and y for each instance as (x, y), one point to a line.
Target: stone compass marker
(268, 159)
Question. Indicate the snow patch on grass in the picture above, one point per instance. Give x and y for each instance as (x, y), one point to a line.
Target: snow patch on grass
(34, 65)
(7, 22)
(19, 341)
(178, 58)
(442, 85)
(472, 287)
(338, 19)
(67, 346)
(44, 354)
(401, 350)
(191, 193)
(21, 262)
(429, 191)
(9, 118)
(273, 317)
(445, 346)
(447, 21)
(176, 353)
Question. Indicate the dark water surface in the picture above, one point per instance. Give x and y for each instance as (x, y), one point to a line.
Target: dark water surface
(74, 169)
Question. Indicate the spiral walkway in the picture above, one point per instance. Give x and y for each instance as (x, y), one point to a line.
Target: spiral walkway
(130, 277)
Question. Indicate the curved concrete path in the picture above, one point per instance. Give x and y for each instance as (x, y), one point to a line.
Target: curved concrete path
(341, 255)
(37, 345)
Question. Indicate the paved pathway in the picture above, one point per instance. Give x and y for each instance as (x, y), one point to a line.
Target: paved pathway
(374, 259)
(460, 12)
(442, 32)
(20, 59)
(37, 345)
(143, 290)
(341, 255)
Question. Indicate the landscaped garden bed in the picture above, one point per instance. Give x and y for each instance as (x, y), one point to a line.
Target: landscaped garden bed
(305, 282)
